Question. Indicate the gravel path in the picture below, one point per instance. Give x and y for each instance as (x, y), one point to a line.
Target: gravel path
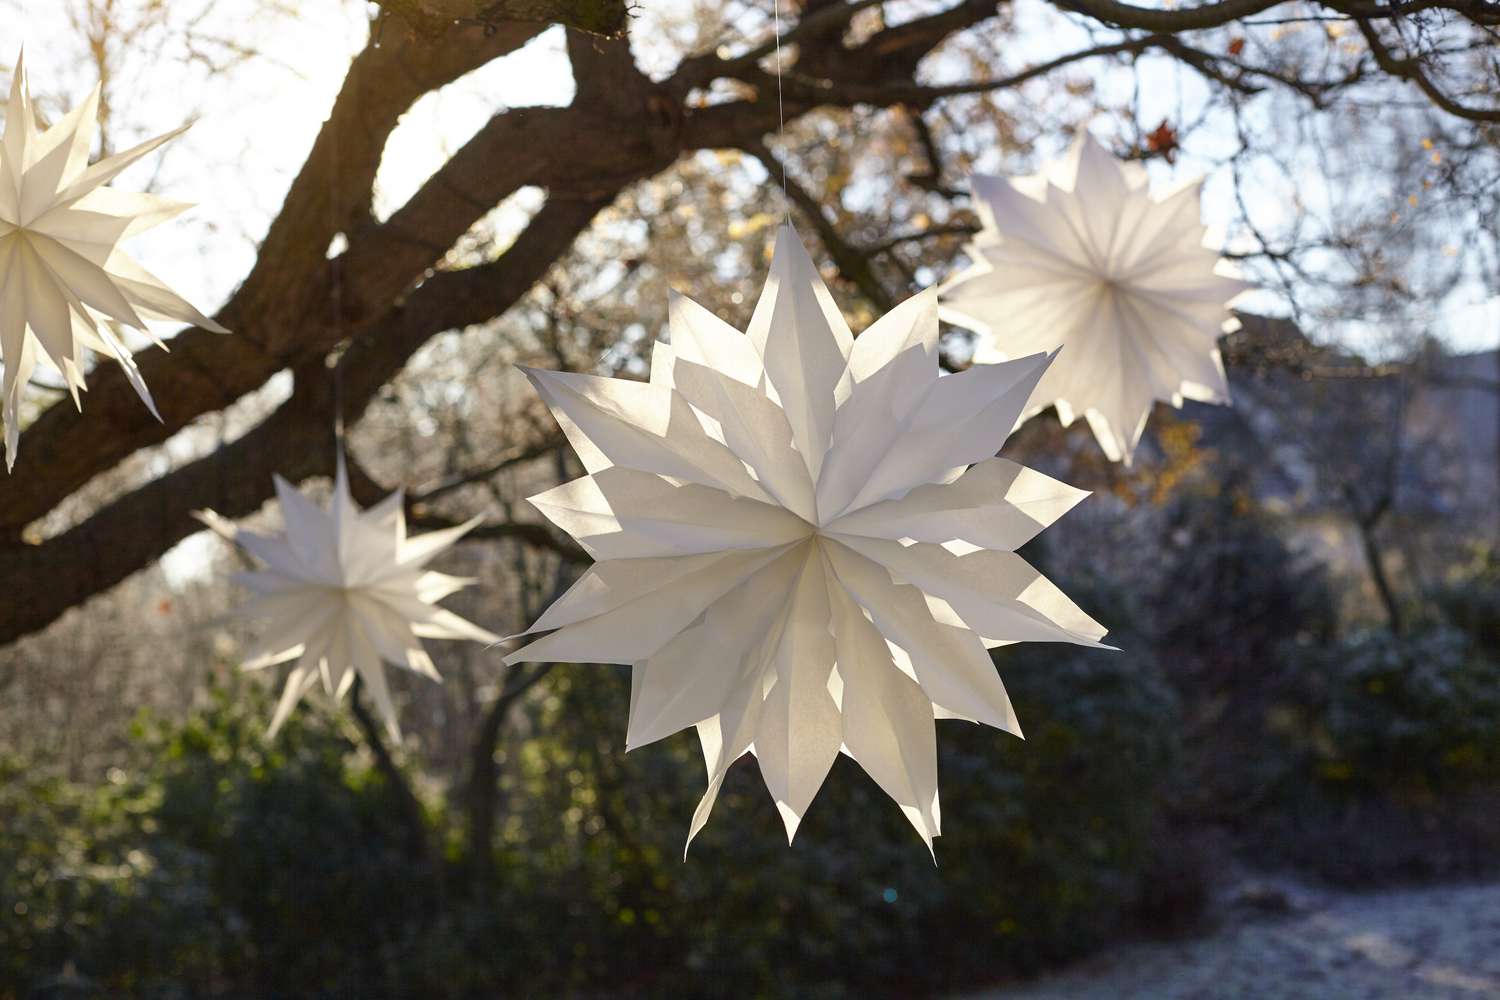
(1407, 944)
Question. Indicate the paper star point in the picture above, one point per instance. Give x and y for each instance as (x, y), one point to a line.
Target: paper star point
(804, 542)
(65, 284)
(343, 592)
(1083, 256)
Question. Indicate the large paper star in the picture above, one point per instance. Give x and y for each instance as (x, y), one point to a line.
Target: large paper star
(63, 278)
(805, 542)
(1083, 257)
(344, 590)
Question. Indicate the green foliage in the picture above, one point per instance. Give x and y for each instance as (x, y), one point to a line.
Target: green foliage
(223, 858)
(1412, 715)
(225, 864)
(62, 872)
(1045, 842)
(1470, 598)
(1381, 765)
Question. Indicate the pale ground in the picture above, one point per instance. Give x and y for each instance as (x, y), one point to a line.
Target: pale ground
(1276, 943)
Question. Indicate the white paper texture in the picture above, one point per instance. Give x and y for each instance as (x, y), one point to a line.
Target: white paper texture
(1082, 257)
(64, 281)
(804, 541)
(343, 592)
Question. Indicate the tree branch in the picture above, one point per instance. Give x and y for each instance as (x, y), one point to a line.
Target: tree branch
(516, 456)
(408, 809)
(1214, 15)
(1410, 69)
(295, 441)
(434, 18)
(482, 794)
(853, 264)
(281, 315)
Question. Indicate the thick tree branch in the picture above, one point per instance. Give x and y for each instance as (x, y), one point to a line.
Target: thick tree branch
(434, 18)
(1126, 15)
(283, 312)
(623, 127)
(1214, 15)
(281, 315)
(699, 70)
(295, 441)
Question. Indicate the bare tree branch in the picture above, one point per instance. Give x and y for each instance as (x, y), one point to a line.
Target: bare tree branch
(435, 17)
(1410, 69)
(852, 263)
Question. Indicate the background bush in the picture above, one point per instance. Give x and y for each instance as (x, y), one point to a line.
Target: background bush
(211, 862)
(1470, 598)
(224, 864)
(1384, 766)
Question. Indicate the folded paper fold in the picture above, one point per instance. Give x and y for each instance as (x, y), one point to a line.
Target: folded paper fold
(343, 592)
(805, 542)
(1081, 256)
(66, 286)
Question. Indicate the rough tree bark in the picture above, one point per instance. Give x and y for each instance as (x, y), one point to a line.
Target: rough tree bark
(435, 17)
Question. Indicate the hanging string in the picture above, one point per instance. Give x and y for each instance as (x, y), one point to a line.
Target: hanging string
(786, 199)
(336, 365)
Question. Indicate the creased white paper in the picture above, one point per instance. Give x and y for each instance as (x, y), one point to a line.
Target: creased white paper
(64, 281)
(804, 541)
(344, 591)
(1082, 257)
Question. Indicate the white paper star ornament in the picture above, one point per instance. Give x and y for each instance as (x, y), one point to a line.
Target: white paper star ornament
(64, 281)
(805, 542)
(1082, 257)
(344, 591)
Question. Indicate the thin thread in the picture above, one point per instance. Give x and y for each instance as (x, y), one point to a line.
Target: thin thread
(786, 199)
(338, 292)
(337, 368)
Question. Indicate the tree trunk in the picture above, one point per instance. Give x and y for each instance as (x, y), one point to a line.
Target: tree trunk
(408, 809)
(1367, 526)
(482, 795)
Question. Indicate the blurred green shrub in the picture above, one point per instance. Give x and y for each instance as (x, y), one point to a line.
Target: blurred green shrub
(1385, 763)
(56, 873)
(221, 864)
(1411, 715)
(1470, 598)
(1230, 591)
(1045, 845)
